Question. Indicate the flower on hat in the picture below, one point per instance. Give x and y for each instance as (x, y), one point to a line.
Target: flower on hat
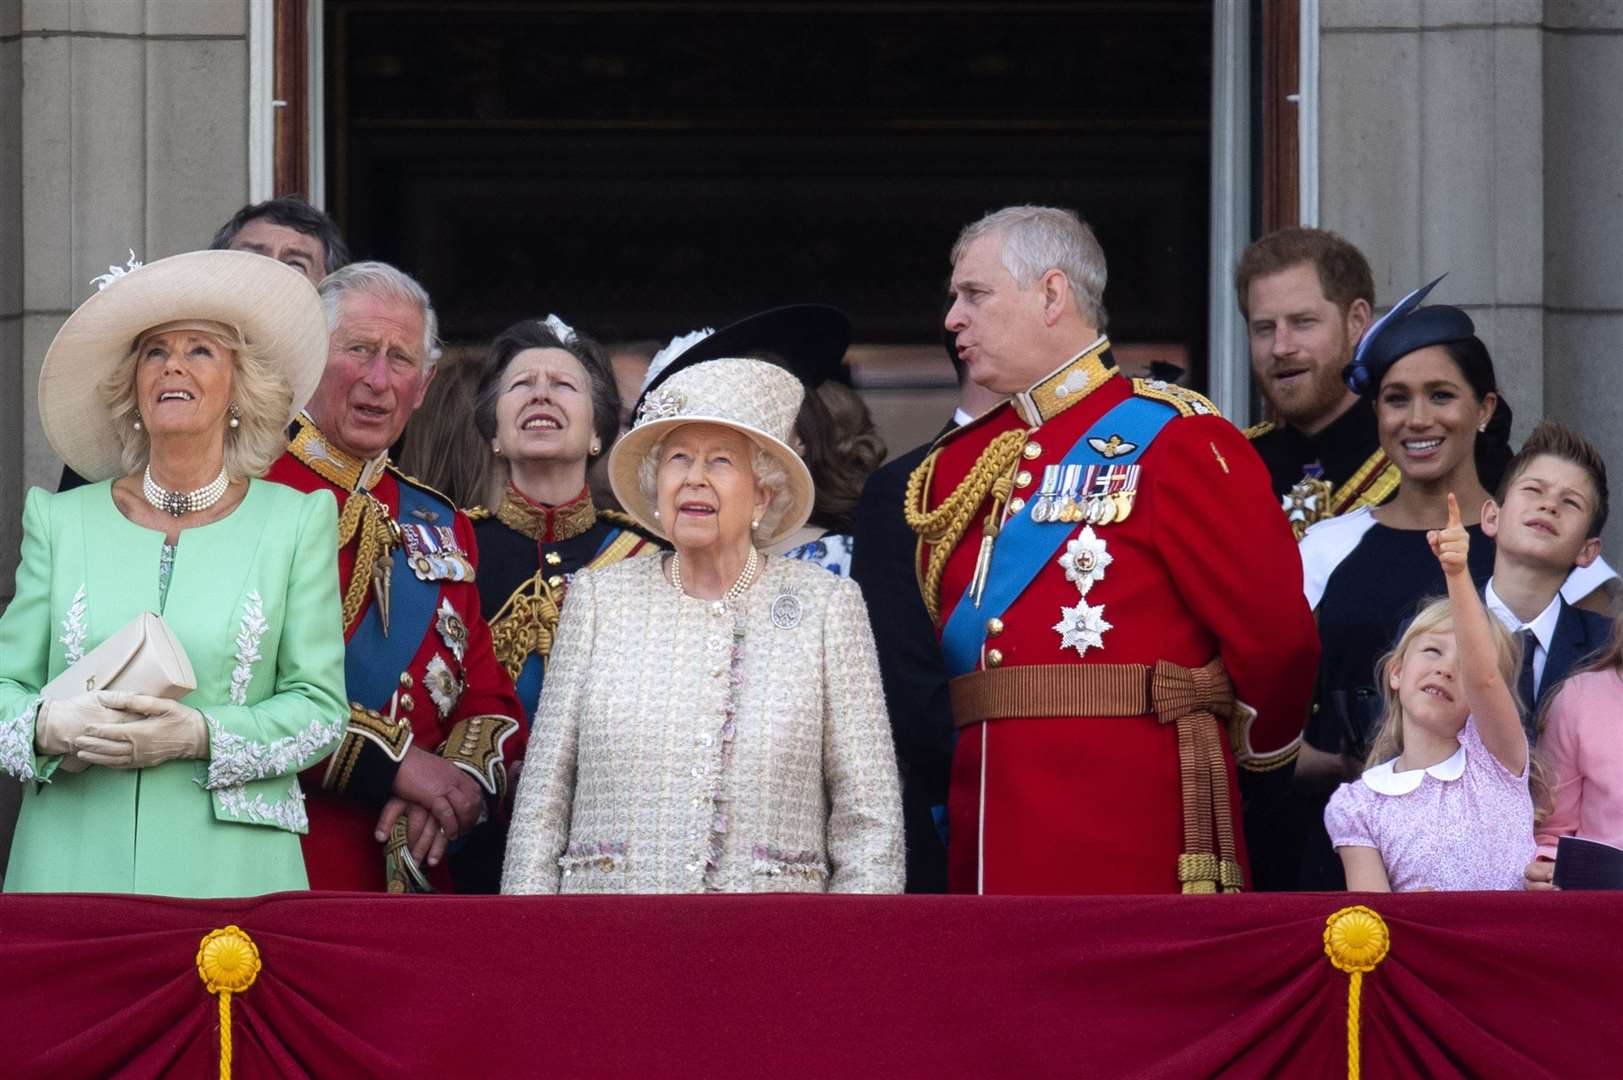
(679, 345)
(560, 329)
(101, 281)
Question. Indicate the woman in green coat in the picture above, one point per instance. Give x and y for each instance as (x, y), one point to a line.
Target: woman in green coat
(174, 386)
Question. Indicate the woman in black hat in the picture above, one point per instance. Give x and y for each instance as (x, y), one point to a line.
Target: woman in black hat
(1444, 424)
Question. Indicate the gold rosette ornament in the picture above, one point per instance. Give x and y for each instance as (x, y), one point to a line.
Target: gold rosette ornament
(1355, 940)
(228, 963)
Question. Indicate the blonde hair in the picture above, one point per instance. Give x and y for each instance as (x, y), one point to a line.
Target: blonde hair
(769, 474)
(1435, 616)
(259, 390)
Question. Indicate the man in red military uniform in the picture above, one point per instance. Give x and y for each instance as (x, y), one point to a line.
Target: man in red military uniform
(435, 726)
(1112, 579)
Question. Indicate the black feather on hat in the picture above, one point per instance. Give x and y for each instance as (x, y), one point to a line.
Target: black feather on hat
(1401, 331)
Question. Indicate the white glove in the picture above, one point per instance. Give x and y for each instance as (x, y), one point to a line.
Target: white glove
(158, 730)
(58, 724)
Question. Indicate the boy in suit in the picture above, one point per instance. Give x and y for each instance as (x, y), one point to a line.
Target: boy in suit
(1545, 521)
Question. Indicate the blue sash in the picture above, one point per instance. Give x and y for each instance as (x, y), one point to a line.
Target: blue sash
(373, 662)
(1024, 546)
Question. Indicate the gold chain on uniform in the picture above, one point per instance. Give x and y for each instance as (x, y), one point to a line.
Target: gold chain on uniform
(363, 513)
(944, 526)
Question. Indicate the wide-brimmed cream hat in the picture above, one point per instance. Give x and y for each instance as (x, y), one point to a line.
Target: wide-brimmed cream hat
(275, 308)
(755, 398)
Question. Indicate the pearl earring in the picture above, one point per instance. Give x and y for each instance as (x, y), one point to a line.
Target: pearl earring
(756, 524)
(597, 447)
(495, 448)
(137, 423)
(1482, 429)
(236, 416)
(656, 514)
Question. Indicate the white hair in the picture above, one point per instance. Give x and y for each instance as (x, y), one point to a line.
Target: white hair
(1037, 239)
(769, 474)
(381, 279)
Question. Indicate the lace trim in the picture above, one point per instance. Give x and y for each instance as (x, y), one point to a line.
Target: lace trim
(253, 628)
(17, 744)
(235, 760)
(720, 798)
(775, 863)
(603, 855)
(73, 628)
(288, 814)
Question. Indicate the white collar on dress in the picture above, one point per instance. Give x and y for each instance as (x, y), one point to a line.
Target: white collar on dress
(1384, 780)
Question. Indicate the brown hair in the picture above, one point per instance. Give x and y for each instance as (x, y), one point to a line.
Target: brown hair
(1344, 274)
(1559, 441)
(841, 448)
(441, 445)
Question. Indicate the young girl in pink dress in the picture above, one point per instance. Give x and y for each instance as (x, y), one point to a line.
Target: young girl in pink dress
(1580, 746)
(1444, 803)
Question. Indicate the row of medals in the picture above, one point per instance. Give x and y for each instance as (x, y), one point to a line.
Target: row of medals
(1059, 500)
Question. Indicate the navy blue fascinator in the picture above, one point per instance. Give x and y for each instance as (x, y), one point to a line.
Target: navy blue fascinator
(1401, 331)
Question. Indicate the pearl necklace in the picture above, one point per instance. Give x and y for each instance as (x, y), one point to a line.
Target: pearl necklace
(737, 588)
(177, 503)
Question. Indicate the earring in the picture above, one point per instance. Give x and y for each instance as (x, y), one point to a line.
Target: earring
(495, 448)
(236, 416)
(596, 448)
(756, 524)
(137, 423)
(656, 513)
(1482, 428)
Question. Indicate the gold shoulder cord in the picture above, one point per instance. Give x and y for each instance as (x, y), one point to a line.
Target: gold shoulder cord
(944, 526)
(364, 514)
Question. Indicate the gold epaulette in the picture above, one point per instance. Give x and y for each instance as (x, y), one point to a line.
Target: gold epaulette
(1257, 431)
(1188, 402)
(476, 513)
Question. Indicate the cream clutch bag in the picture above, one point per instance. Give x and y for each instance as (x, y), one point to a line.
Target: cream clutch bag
(143, 657)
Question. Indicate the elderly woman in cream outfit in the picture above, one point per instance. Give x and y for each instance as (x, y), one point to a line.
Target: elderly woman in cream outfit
(712, 720)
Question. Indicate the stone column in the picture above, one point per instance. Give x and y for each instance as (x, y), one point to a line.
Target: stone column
(1432, 159)
(123, 125)
(1583, 211)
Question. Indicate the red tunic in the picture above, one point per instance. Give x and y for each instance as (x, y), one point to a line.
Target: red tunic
(1203, 566)
(344, 802)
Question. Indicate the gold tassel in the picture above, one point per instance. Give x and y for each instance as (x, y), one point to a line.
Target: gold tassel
(1355, 940)
(228, 963)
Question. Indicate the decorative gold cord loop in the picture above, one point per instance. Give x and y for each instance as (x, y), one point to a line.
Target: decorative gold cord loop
(944, 526)
(1355, 940)
(228, 963)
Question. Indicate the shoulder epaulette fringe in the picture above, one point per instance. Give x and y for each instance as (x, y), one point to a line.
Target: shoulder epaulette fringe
(1257, 431)
(1188, 402)
(477, 513)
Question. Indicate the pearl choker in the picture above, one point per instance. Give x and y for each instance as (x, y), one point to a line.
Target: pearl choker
(737, 588)
(178, 503)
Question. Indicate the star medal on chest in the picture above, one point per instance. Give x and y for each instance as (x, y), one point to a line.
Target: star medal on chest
(1085, 559)
(453, 631)
(1308, 500)
(1082, 627)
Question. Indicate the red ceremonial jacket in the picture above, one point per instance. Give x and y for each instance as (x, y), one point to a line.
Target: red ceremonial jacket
(454, 697)
(1204, 566)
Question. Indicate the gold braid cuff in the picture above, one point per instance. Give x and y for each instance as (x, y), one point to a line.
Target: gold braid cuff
(475, 745)
(942, 528)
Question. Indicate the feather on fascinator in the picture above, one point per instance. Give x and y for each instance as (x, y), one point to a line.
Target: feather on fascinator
(662, 359)
(1401, 331)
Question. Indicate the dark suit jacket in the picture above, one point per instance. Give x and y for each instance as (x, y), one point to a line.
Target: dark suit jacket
(1579, 634)
(910, 665)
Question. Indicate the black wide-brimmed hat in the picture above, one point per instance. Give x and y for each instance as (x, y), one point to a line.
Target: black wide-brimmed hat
(1401, 331)
(810, 338)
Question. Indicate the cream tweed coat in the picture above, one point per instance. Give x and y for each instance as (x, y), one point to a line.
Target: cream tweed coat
(685, 745)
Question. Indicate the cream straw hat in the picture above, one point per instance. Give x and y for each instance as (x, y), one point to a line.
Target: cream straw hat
(275, 308)
(755, 398)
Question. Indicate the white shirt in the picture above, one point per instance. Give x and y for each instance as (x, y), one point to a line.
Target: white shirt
(960, 417)
(1542, 626)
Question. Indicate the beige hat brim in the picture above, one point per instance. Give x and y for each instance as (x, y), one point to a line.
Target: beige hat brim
(628, 453)
(274, 306)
